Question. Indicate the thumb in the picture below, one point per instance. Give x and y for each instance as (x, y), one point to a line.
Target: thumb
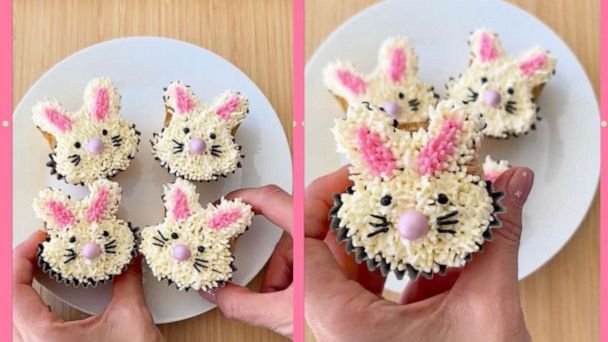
(497, 265)
(127, 288)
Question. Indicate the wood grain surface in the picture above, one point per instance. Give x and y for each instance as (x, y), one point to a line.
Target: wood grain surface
(253, 35)
(561, 300)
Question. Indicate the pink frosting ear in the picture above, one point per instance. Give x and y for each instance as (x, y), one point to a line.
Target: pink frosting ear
(225, 218)
(59, 120)
(180, 210)
(397, 66)
(63, 217)
(98, 206)
(227, 108)
(101, 104)
(439, 149)
(487, 49)
(533, 64)
(352, 82)
(183, 101)
(379, 158)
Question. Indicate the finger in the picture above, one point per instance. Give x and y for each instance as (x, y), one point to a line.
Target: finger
(268, 310)
(127, 288)
(423, 288)
(319, 201)
(270, 201)
(25, 257)
(497, 265)
(279, 274)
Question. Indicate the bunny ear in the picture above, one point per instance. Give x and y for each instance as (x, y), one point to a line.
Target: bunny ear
(231, 107)
(229, 218)
(103, 200)
(537, 65)
(55, 209)
(485, 46)
(180, 99)
(101, 99)
(370, 140)
(344, 81)
(181, 200)
(397, 59)
(51, 118)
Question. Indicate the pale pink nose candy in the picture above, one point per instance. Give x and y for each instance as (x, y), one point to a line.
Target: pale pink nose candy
(95, 146)
(392, 109)
(412, 225)
(491, 98)
(197, 146)
(181, 252)
(90, 251)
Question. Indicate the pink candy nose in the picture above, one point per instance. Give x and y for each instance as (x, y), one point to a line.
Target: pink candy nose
(392, 109)
(491, 98)
(181, 252)
(95, 146)
(90, 251)
(197, 146)
(412, 225)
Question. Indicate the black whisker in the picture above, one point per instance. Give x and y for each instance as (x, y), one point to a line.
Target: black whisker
(447, 216)
(378, 225)
(376, 232)
(70, 259)
(447, 223)
(201, 260)
(158, 244)
(414, 104)
(162, 236)
(159, 240)
(510, 107)
(471, 97)
(196, 267)
(110, 252)
(111, 242)
(74, 159)
(446, 231)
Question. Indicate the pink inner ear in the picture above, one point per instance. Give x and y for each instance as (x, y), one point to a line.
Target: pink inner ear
(378, 157)
(227, 108)
(354, 83)
(487, 50)
(180, 209)
(98, 206)
(439, 149)
(183, 102)
(61, 214)
(533, 64)
(492, 176)
(224, 218)
(397, 66)
(60, 120)
(101, 106)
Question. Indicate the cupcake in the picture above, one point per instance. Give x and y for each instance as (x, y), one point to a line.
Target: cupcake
(93, 143)
(504, 90)
(197, 142)
(192, 246)
(393, 85)
(419, 204)
(86, 244)
(493, 169)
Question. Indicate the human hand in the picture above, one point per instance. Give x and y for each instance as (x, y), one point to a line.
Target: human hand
(125, 318)
(272, 307)
(477, 303)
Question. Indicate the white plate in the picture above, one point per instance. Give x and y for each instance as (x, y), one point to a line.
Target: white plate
(140, 67)
(563, 152)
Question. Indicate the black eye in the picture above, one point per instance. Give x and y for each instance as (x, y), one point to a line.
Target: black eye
(442, 199)
(201, 249)
(72, 239)
(174, 236)
(510, 91)
(386, 200)
(484, 79)
(77, 144)
(105, 233)
(401, 96)
(212, 135)
(186, 130)
(104, 132)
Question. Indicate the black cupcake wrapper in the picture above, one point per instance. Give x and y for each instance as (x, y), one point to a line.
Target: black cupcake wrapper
(384, 266)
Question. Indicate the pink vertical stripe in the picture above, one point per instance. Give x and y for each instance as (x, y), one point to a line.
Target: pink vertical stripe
(397, 65)
(101, 105)
(6, 146)
(180, 210)
(98, 206)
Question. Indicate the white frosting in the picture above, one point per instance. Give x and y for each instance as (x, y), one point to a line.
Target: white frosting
(493, 169)
(412, 96)
(503, 75)
(64, 241)
(72, 159)
(194, 232)
(221, 155)
(411, 190)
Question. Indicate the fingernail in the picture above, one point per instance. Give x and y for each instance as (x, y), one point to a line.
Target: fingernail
(520, 185)
(208, 296)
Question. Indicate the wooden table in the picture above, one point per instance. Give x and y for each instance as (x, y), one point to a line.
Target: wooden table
(561, 300)
(253, 35)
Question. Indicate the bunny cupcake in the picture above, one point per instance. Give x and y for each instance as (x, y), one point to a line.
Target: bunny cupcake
(394, 85)
(417, 204)
(86, 243)
(192, 246)
(504, 90)
(197, 142)
(93, 143)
